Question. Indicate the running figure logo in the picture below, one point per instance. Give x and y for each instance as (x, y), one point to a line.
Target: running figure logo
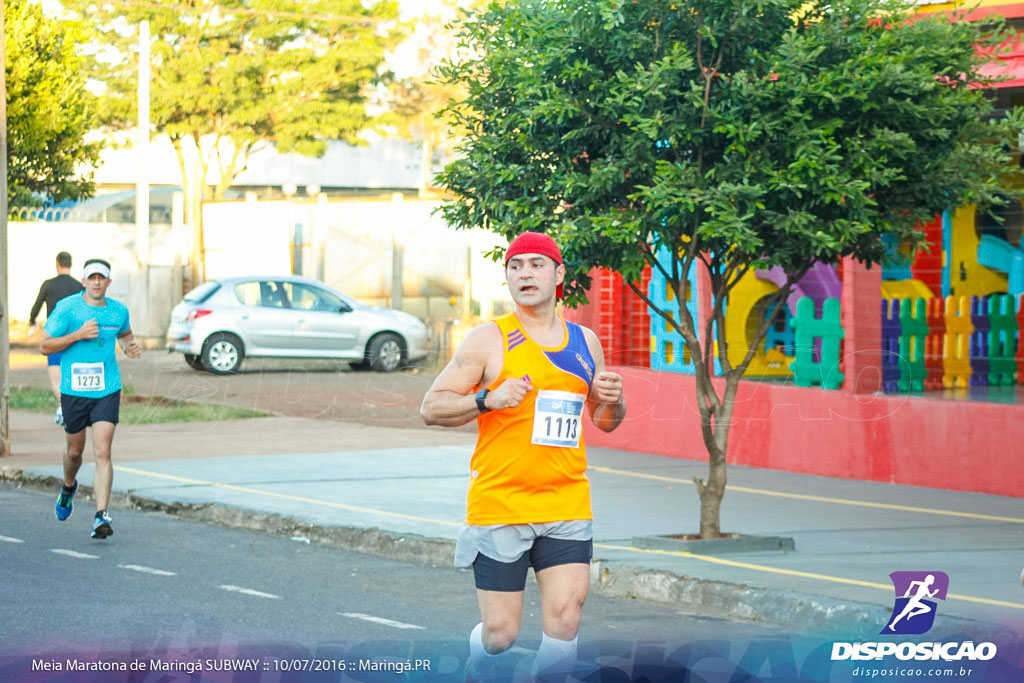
(914, 612)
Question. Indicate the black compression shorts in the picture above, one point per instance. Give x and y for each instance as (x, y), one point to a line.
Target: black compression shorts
(510, 577)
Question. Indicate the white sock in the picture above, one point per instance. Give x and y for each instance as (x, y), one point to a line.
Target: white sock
(481, 662)
(554, 655)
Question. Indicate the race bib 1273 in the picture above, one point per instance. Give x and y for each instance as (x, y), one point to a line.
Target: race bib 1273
(87, 377)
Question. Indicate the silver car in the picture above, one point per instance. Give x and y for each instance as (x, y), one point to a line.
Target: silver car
(220, 322)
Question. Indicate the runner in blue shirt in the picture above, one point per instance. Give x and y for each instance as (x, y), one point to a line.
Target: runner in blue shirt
(87, 328)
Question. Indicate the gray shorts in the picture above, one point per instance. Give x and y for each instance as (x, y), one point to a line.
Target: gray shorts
(508, 542)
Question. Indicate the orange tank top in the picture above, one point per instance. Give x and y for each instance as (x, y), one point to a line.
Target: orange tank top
(530, 461)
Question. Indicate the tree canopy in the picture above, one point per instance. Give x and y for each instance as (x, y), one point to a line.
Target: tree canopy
(233, 75)
(731, 133)
(49, 109)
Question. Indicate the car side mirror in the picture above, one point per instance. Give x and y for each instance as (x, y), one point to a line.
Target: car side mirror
(344, 308)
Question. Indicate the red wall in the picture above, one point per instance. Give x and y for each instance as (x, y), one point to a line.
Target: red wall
(618, 317)
(927, 267)
(946, 444)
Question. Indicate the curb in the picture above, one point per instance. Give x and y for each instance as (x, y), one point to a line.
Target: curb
(772, 607)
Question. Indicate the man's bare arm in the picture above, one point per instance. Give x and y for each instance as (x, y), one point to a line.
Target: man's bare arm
(450, 401)
(606, 403)
(49, 345)
(131, 348)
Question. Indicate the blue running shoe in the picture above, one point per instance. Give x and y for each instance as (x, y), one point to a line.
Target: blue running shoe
(64, 502)
(101, 525)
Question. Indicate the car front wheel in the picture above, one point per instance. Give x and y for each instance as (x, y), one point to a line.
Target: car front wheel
(222, 354)
(385, 352)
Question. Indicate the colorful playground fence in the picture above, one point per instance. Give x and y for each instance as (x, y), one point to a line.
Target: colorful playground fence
(965, 341)
(927, 344)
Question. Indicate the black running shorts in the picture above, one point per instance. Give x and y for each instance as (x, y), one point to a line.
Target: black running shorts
(510, 577)
(81, 412)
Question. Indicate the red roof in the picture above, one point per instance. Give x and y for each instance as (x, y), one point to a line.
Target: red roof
(1009, 10)
(1007, 63)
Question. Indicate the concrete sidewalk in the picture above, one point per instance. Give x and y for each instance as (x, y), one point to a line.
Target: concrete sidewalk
(401, 493)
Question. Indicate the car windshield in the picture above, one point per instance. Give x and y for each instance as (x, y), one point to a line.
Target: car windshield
(202, 292)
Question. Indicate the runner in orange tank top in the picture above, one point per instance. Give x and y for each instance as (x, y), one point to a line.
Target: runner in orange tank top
(527, 378)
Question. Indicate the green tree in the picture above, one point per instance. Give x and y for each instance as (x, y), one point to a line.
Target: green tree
(733, 134)
(232, 76)
(49, 110)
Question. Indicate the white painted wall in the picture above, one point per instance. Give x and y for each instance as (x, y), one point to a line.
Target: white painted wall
(358, 240)
(33, 248)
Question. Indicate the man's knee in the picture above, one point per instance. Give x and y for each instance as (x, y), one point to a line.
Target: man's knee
(74, 448)
(563, 592)
(564, 618)
(102, 439)
(500, 633)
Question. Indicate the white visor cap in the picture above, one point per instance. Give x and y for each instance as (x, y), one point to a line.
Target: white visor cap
(93, 268)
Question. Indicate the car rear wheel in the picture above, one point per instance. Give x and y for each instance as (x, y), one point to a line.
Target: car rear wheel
(222, 353)
(194, 361)
(385, 352)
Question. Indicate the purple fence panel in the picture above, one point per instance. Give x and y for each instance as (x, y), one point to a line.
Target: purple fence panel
(979, 341)
(890, 345)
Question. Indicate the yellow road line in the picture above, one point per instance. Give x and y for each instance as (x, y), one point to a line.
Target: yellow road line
(820, 499)
(650, 551)
(793, 572)
(285, 496)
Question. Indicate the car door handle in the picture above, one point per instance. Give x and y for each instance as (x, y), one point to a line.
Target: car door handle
(245, 317)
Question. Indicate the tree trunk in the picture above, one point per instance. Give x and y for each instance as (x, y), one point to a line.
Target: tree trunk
(717, 423)
(711, 493)
(199, 192)
(186, 185)
(712, 490)
(198, 257)
(192, 214)
(229, 171)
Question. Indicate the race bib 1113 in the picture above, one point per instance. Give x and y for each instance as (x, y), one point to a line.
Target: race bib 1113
(558, 419)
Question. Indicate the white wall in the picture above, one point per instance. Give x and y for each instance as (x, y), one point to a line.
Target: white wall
(32, 251)
(356, 240)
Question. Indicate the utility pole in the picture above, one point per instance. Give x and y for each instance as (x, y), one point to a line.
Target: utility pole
(142, 311)
(5, 318)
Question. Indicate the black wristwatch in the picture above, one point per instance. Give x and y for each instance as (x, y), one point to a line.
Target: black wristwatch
(480, 396)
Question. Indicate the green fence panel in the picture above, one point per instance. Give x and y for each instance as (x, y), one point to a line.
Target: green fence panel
(1002, 340)
(828, 328)
(913, 332)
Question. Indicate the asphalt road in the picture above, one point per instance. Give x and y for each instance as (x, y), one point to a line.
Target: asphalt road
(162, 587)
(321, 389)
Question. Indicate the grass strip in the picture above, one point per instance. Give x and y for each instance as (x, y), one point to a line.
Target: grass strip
(140, 410)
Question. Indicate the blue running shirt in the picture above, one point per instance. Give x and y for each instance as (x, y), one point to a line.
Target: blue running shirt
(89, 366)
